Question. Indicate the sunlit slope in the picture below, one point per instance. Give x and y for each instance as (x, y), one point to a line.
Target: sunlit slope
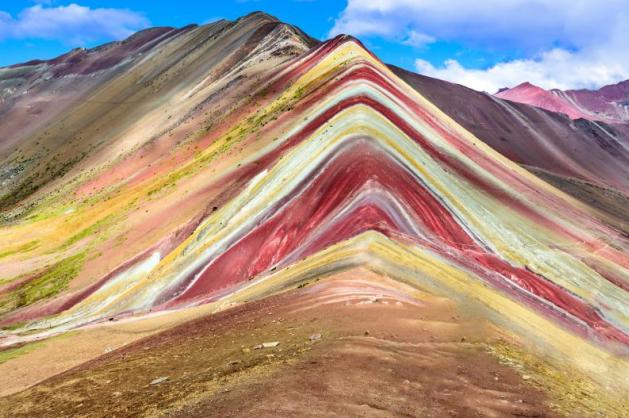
(174, 100)
(334, 162)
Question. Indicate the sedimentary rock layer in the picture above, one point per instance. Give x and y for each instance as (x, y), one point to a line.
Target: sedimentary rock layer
(329, 162)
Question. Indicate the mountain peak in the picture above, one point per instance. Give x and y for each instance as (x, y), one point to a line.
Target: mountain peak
(604, 104)
(235, 166)
(527, 85)
(259, 15)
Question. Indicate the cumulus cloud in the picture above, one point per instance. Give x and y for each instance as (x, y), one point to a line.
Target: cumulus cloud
(565, 43)
(73, 24)
(556, 68)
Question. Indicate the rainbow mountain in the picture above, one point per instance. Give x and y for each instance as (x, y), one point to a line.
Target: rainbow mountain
(187, 185)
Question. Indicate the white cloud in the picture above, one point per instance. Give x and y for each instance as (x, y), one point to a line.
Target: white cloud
(73, 24)
(556, 68)
(418, 39)
(567, 43)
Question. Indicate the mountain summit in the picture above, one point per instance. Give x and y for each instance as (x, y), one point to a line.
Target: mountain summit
(608, 104)
(234, 219)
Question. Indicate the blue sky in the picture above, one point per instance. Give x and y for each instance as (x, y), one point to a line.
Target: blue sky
(314, 17)
(485, 45)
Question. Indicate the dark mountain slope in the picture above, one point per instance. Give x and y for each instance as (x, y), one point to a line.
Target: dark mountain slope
(587, 159)
(84, 104)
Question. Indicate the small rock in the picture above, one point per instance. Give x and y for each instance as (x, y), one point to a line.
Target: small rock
(526, 377)
(315, 337)
(258, 346)
(159, 380)
(108, 349)
(246, 350)
(234, 362)
(366, 332)
(271, 344)
(117, 393)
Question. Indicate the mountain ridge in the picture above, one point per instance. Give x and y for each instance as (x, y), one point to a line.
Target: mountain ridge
(240, 165)
(607, 104)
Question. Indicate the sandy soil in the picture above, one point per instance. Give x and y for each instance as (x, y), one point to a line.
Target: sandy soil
(380, 353)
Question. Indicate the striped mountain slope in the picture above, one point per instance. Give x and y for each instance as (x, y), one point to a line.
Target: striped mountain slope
(297, 165)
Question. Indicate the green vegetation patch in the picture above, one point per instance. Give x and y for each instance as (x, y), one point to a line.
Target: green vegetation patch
(12, 353)
(20, 249)
(570, 392)
(47, 284)
(90, 230)
(53, 281)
